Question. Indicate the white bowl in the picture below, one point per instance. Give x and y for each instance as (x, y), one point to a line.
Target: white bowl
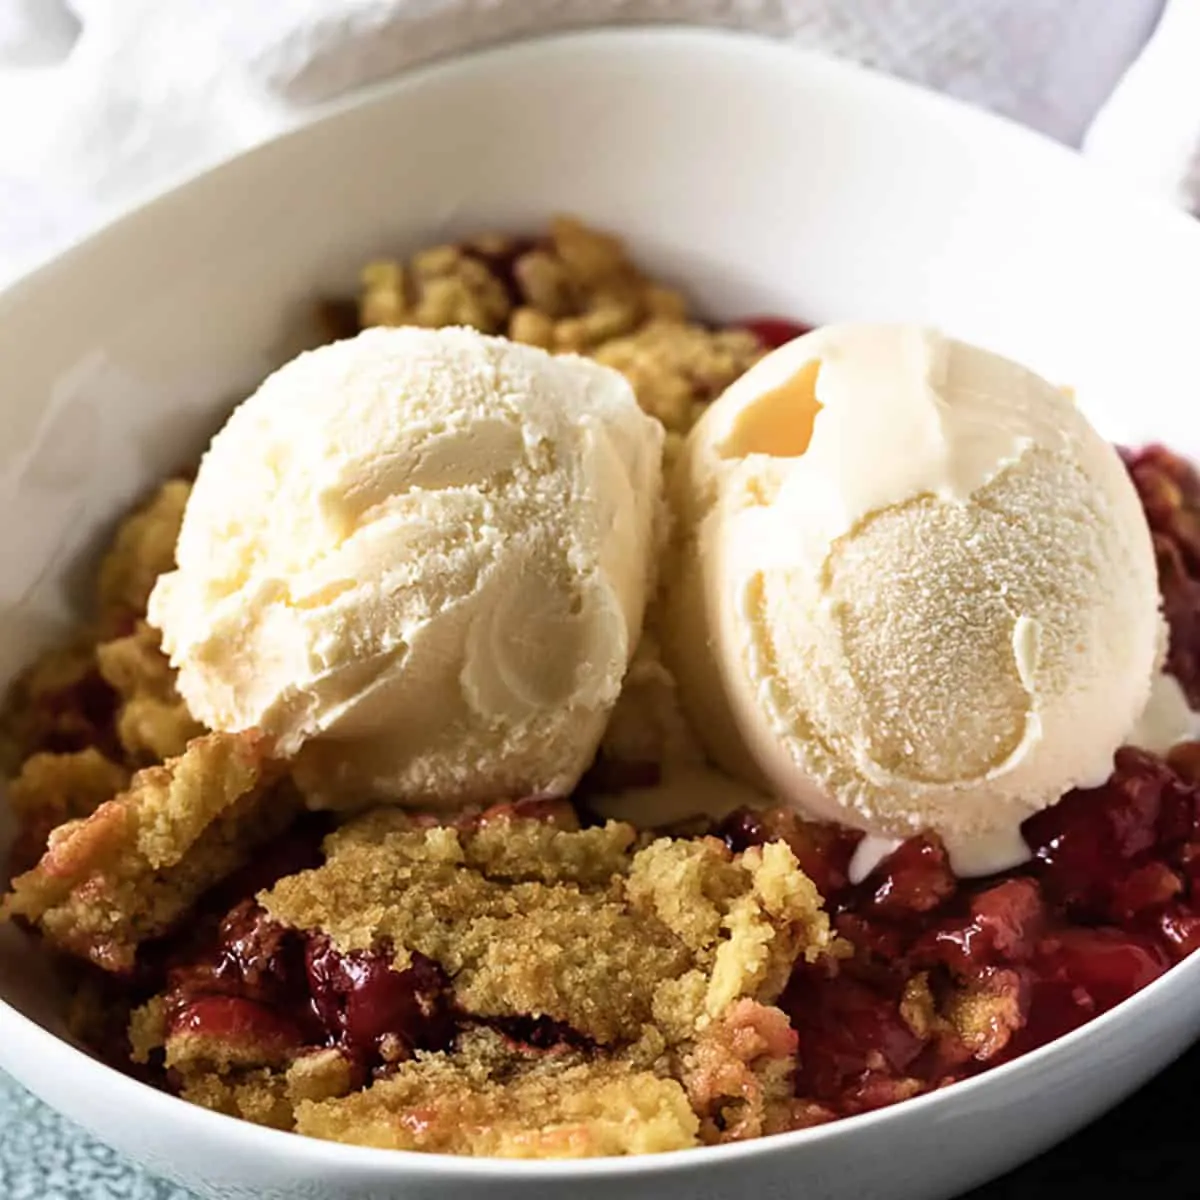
(764, 179)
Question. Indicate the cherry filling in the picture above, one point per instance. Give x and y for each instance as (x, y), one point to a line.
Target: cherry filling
(773, 332)
(247, 980)
(234, 1021)
(280, 990)
(246, 986)
(917, 880)
(539, 1033)
(550, 810)
(947, 977)
(1114, 852)
(950, 976)
(1169, 488)
(373, 1011)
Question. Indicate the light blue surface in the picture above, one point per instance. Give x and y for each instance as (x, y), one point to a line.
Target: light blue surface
(43, 1157)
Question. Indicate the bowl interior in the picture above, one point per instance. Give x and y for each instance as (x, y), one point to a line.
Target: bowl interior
(759, 179)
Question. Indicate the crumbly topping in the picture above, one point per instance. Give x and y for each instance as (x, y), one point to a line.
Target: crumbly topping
(647, 725)
(257, 1094)
(143, 549)
(108, 688)
(152, 722)
(738, 1074)
(319, 1075)
(134, 866)
(527, 919)
(486, 1100)
(65, 786)
(578, 956)
(986, 1012)
(147, 1030)
(442, 286)
(550, 849)
(135, 663)
(574, 291)
(53, 788)
(918, 1007)
(58, 703)
(537, 851)
(677, 369)
(83, 715)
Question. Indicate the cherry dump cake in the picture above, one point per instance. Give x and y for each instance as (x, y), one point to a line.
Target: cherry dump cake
(276, 904)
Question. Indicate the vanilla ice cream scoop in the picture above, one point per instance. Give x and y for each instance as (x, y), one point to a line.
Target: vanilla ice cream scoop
(915, 588)
(420, 560)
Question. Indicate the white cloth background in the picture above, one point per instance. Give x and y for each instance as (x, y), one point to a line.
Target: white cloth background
(104, 101)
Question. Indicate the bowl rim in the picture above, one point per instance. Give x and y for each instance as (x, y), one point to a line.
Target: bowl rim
(909, 99)
(932, 105)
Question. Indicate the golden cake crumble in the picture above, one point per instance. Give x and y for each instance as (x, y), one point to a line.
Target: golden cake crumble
(51, 789)
(574, 290)
(133, 868)
(108, 695)
(143, 549)
(490, 1099)
(152, 721)
(573, 990)
(585, 930)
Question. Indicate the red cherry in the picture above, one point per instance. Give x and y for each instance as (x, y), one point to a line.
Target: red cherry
(773, 332)
(915, 878)
(238, 1022)
(359, 997)
(1180, 931)
(1002, 927)
(1108, 964)
(845, 1028)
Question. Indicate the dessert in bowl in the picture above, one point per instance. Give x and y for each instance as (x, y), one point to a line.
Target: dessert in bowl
(317, 917)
